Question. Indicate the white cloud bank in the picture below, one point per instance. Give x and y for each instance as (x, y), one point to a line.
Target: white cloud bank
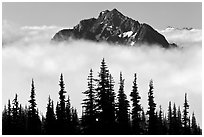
(27, 53)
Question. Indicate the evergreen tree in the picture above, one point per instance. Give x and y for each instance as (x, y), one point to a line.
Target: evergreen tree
(57, 118)
(75, 121)
(185, 115)
(15, 110)
(89, 116)
(111, 103)
(15, 116)
(7, 119)
(179, 120)
(165, 124)
(194, 127)
(105, 101)
(143, 123)
(122, 109)
(160, 121)
(50, 118)
(136, 110)
(170, 127)
(151, 110)
(68, 115)
(61, 112)
(23, 115)
(175, 121)
(34, 123)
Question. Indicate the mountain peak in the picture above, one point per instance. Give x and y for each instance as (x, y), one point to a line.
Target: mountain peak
(115, 11)
(112, 26)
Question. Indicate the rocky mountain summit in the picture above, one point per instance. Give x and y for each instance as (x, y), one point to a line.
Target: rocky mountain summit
(113, 27)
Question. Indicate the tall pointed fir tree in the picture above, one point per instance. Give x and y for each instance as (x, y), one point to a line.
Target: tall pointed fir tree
(68, 115)
(136, 108)
(160, 121)
(15, 116)
(170, 127)
(89, 106)
(75, 122)
(194, 127)
(57, 116)
(175, 123)
(111, 103)
(105, 101)
(4, 121)
(50, 120)
(143, 122)
(185, 116)
(122, 109)
(61, 112)
(34, 123)
(151, 110)
(7, 119)
(179, 120)
(22, 123)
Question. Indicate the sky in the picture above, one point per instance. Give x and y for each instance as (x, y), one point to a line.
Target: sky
(159, 15)
(27, 53)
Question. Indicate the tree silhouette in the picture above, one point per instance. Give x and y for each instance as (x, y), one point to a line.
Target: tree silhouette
(175, 121)
(15, 116)
(7, 119)
(74, 122)
(195, 129)
(105, 101)
(185, 116)
(151, 110)
(34, 123)
(89, 104)
(170, 127)
(122, 109)
(143, 123)
(160, 122)
(60, 109)
(50, 120)
(68, 115)
(136, 110)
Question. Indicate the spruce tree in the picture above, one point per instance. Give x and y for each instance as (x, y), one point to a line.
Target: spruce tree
(50, 118)
(122, 109)
(61, 112)
(179, 120)
(194, 128)
(89, 104)
(23, 115)
(160, 121)
(143, 123)
(57, 118)
(151, 110)
(175, 122)
(170, 119)
(136, 108)
(111, 102)
(68, 115)
(4, 121)
(75, 121)
(7, 119)
(15, 116)
(105, 101)
(34, 123)
(185, 116)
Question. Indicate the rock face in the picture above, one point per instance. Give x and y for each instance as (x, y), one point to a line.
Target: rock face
(112, 26)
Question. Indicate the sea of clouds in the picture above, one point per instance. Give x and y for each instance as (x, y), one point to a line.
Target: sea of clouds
(28, 53)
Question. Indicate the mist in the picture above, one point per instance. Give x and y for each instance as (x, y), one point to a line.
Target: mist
(28, 53)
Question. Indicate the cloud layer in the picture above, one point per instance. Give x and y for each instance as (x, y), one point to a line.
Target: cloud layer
(28, 53)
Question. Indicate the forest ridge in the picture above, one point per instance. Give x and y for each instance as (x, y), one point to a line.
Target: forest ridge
(104, 112)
